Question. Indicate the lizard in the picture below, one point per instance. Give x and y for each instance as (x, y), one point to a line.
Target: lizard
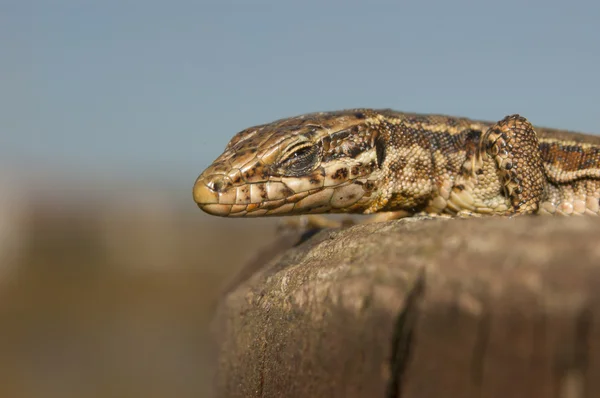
(395, 164)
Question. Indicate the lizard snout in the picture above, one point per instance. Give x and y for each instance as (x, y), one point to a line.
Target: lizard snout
(207, 188)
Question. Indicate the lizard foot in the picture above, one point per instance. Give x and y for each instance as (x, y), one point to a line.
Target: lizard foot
(386, 216)
(468, 214)
(513, 144)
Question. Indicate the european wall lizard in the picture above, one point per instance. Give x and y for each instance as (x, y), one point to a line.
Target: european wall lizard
(372, 161)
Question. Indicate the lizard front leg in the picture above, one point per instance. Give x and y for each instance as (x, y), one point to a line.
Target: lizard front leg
(513, 144)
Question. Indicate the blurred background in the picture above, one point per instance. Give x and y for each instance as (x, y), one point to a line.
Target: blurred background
(109, 111)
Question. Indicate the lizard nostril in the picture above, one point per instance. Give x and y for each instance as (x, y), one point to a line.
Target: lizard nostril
(218, 183)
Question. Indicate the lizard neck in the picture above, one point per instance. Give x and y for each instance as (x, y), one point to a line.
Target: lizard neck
(420, 164)
(455, 165)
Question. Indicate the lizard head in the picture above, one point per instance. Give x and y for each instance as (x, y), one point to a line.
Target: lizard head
(313, 163)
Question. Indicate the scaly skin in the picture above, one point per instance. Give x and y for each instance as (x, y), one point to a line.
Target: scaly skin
(370, 161)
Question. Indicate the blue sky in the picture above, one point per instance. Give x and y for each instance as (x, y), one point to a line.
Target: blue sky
(142, 88)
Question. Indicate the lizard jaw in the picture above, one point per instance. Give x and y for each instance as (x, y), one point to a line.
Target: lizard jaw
(215, 196)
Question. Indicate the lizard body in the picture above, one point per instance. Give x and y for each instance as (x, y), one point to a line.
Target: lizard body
(371, 161)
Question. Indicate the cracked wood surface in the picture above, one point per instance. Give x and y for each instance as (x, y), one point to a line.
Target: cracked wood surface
(418, 308)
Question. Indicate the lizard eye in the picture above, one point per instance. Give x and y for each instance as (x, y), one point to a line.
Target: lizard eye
(300, 161)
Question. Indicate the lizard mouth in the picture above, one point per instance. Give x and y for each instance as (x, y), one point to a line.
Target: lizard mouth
(233, 203)
(274, 198)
